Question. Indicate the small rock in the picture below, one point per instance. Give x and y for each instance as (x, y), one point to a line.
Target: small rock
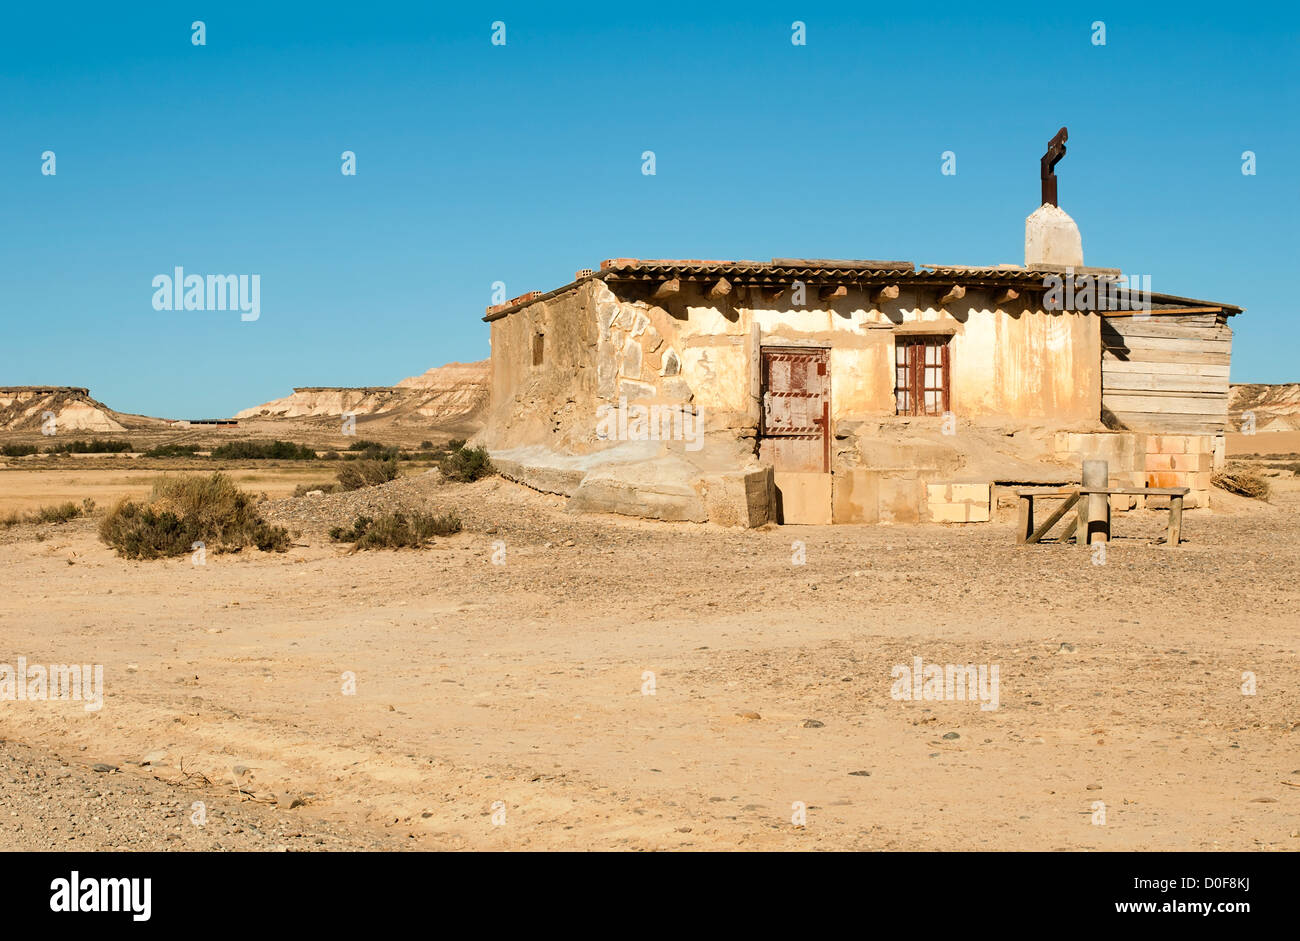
(749, 715)
(1093, 787)
(288, 801)
(813, 724)
(951, 735)
(103, 768)
(861, 774)
(154, 757)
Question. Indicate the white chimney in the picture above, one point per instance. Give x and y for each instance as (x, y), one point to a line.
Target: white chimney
(1052, 239)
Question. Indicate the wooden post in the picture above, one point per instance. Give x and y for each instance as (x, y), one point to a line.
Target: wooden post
(1175, 520)
(1025, 528)
(1095, 519)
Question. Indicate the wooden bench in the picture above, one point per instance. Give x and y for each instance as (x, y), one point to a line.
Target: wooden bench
(1026, 533)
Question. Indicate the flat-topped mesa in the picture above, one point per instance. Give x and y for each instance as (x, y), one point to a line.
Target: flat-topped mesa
(43, 390)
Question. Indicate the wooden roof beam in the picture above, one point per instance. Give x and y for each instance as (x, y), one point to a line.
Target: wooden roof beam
(954, 293)
(668, 288)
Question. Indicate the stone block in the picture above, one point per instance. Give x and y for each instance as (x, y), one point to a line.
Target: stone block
(611, 492)
(741, 498)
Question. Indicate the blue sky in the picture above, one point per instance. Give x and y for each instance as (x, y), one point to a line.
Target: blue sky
(522, 163)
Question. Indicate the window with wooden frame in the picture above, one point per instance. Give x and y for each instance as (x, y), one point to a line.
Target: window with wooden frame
(539, 348)
(921, 375)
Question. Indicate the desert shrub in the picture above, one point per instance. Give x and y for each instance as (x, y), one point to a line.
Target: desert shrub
(18, 450)
(173, 450)
(364, 445)
(303, 489)
(397, 530)
(185, 510)
(94, 446)
(464, 464)
(330, 456)
(352, 533)
(1243, 482)
(426, 445)
(367, 473)
(373, 452)
(264, 451)
(58, 513)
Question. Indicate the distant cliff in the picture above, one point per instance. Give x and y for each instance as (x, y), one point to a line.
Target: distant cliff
(455, 394)
(27, 408)
(1275, 407)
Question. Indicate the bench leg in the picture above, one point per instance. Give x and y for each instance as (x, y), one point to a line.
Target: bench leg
(1025, 527)
(1175, 521)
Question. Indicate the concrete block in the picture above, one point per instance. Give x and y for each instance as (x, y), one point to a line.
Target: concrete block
(803, 498)
(948, 512)
(855, 496)
(901, 499)
(971, 493)
(1199, 462)
(1172, 444)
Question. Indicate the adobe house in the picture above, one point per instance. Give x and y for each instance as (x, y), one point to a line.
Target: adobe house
(818, 391)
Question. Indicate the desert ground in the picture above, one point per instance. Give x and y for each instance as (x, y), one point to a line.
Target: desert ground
(549, 681)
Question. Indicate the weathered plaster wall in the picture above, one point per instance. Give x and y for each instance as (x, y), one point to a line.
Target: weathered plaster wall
(1013, 363)
(606, 344)
(539, 404)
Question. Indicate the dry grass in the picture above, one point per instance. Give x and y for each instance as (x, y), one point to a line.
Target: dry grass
(54, 513)
(1246, 483)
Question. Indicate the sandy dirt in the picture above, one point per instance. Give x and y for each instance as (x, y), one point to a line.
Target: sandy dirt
(525, 683)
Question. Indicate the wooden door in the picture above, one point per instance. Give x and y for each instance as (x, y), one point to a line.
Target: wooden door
(795, 432)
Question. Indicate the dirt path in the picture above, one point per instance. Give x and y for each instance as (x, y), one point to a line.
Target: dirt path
(525, 683)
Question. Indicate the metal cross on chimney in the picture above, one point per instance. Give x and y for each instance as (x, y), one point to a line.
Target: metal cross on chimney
(1055, 151)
